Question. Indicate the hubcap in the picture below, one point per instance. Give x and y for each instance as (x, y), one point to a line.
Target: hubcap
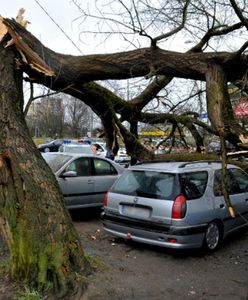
(212, 236)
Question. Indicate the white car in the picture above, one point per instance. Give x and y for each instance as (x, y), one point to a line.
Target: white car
(100, 148)
(76, 148)
(122, 158)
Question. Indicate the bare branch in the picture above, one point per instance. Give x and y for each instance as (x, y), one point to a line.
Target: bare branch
(239, 13)
(216, 31)
(180, 27)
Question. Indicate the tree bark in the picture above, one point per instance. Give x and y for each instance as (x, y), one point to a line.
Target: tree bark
(44, 246)
(222, 119)
(219, 106)
(70, 69)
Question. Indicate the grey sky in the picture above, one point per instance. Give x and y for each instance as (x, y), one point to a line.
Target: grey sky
(62, 11)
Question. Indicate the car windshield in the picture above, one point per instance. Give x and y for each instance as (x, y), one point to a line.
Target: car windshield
(147, 184)
(55, 162)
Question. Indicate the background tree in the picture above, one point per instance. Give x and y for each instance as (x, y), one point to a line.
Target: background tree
(48, 116)
(59, 115)
(78, 117)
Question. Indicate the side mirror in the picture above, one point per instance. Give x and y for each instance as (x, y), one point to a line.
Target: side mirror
(69, 174)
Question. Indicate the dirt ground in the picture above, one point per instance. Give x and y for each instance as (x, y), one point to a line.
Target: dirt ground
(131, 271)
(139, 272)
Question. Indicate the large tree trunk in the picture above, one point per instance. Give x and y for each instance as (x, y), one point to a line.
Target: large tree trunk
(219, 106)
(44, 247)
(222, 119)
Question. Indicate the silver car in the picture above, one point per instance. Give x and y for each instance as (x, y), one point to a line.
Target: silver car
(176, 204)
(83, 179)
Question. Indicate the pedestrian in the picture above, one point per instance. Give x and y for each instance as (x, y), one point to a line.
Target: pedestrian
(110, 155)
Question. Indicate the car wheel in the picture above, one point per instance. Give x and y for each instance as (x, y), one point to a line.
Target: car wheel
(46, 150)
(212, 236)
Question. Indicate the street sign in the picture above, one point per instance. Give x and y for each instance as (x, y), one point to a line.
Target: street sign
(203, 116)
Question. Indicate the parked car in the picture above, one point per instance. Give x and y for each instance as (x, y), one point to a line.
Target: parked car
(176, 204)
(100, 148)
(52, 146)
(122, 158)
(214, 147)
(83, 179)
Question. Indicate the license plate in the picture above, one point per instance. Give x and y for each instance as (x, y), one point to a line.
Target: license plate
(134, 211)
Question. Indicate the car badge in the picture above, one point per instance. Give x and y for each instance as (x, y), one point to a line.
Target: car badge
(135, 199)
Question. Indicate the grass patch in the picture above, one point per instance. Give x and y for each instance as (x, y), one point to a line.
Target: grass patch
(39, 141)
(28, 294)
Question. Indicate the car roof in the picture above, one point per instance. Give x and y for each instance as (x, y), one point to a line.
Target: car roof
(77, 145)
(179, 167)
(73, 155)
(77, 155)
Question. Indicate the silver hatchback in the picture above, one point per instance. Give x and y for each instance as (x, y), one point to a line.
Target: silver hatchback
(176, 204)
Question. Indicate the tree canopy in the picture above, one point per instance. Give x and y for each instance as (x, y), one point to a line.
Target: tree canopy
(208, 25)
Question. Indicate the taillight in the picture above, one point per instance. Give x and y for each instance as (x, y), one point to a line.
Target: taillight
(179, 207)
(172, 240)
(105, 202)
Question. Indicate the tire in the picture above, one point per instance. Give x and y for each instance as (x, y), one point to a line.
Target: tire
(212, 237)
(46, 150)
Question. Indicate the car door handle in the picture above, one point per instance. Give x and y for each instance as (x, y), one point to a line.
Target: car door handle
(90, 181)
(222, 205)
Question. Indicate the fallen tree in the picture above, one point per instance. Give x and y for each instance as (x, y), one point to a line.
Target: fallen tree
(45, 248)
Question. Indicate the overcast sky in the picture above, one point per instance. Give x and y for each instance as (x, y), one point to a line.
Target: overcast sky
(66, 15)
(62, 11)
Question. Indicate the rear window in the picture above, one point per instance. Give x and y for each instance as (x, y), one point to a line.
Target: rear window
(147, 184)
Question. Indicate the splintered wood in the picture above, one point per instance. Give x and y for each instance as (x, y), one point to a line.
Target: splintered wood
(19, 19)
(27, 54)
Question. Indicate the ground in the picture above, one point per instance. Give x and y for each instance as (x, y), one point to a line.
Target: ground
(131, 271)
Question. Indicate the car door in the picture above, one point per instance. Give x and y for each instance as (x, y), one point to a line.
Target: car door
(78, 191)
(235, 196)
(241, 178)
(105, 175)
(55, 145)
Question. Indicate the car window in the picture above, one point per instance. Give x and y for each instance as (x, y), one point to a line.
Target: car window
(234, 185)
(98, 147)
(57, 142)
(103, 167)
(81, 166)
(241, 179)
(194, 184)
(148, 184)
